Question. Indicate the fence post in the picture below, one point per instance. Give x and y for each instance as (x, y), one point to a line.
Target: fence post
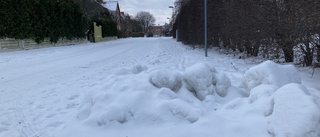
(21, 43)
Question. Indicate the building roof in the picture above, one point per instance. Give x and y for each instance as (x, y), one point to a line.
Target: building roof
(110, 5)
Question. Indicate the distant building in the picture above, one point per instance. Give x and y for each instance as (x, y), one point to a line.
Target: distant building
(156, 30)
(114, 9)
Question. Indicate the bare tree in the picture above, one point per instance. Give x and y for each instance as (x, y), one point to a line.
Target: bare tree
(146, 19)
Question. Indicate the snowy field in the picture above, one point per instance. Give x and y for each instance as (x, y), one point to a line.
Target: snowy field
(153, 87)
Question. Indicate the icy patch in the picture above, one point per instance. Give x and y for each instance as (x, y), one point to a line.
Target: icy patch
(165, 78)
(270, 73)
(295, 113)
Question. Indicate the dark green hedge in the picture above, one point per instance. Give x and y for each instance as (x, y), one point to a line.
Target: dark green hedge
(39, 19)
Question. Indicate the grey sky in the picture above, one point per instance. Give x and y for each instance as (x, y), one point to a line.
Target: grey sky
(159, 8)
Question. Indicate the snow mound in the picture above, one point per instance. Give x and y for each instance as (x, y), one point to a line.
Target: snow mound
(295, 113)
(165, 78)
(270, 73)
(123, 101)
(222, 84)
(199, 80)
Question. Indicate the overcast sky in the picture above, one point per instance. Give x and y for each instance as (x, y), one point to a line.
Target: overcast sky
(159, 8)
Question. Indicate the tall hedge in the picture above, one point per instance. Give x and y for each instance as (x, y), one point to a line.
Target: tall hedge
(40, 19)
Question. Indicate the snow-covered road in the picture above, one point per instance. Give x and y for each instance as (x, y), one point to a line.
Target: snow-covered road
(42, 91)
(38, 85)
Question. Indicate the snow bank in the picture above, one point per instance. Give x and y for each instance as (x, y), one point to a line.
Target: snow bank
(270, 73)
(295, 113)
(165, 78)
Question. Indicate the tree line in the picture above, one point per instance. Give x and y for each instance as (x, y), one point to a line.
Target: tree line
(268, 28)
(137, 26)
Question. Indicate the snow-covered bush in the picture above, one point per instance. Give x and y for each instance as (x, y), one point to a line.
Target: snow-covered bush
(270, 73)
(165, 78)
(295, 113)
(199, 79)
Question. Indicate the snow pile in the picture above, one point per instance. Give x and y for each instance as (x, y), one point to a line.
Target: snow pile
(270, 73)
(160, 96)
(295, 113)
(132, 97)
(156, 96)
(165, 78)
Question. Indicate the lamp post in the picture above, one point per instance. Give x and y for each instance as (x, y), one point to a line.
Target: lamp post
(205, 28)
(171, 7)
(172, 20)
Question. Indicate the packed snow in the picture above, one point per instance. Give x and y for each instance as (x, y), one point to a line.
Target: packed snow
(142, 87)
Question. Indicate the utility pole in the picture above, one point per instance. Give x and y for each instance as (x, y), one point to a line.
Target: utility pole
(205, 28)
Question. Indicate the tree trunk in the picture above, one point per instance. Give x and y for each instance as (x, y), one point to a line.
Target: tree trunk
(287, 48)
(308, 58)
(318, 53)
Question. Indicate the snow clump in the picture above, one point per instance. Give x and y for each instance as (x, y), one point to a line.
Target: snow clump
(295, 113)
(138, 68)
(205, 80)
(222, 84)
(165, 78)
(270, 73)
(199, 79)
(261, 91)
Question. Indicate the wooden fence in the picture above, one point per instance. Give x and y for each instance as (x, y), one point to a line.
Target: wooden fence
(10, 44)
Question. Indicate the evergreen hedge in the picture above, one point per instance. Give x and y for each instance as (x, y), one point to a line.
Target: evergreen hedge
(40, 19)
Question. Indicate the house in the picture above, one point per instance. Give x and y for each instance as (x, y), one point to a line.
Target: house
(114, 9)
(156, 30)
